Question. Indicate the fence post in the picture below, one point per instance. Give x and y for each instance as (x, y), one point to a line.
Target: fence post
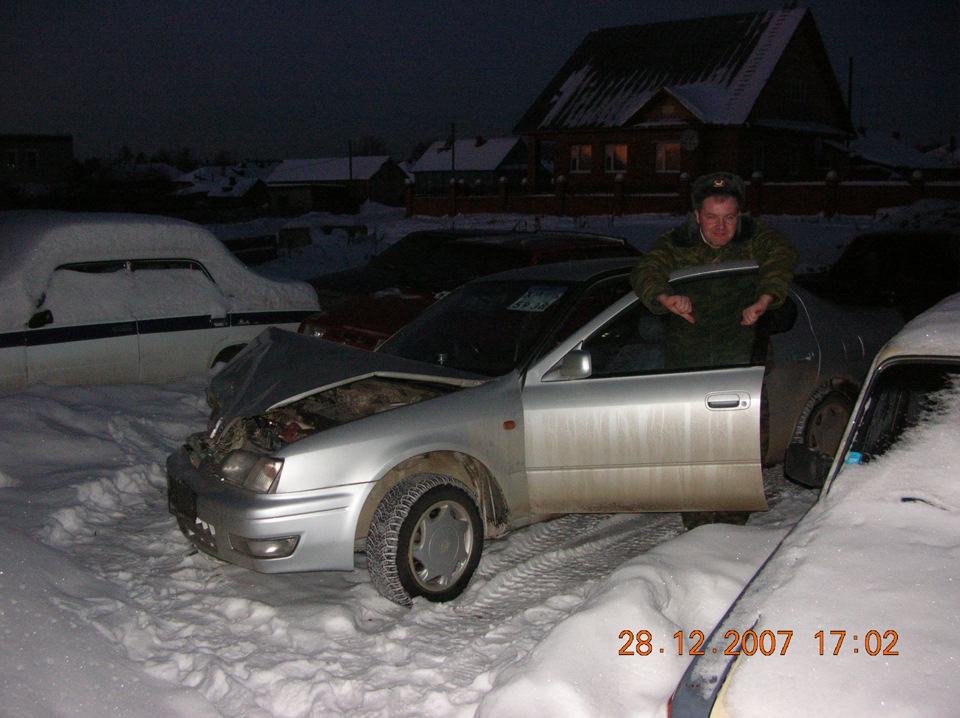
(917, 183)
(452, 195)
(410, 198)
(683, 194)
(831, 194)
(502, 190)
(618, 183)
(755, 193)
(561, 190)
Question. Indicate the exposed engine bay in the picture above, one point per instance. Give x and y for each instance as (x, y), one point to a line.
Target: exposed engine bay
(268, 433)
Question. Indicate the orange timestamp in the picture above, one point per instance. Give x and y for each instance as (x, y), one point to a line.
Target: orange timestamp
(767, 643)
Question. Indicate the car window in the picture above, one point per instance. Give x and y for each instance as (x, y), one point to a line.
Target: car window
(593, 301)
(633, 342)
(486, 327)
(409, 252)
(141, 265)
(93, 294)
(454, 264)
(900, 398)
(180, 291)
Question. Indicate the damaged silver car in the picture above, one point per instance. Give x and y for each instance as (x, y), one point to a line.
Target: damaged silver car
(518, 397)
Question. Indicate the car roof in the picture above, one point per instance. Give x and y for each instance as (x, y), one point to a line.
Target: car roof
(935, 332)
(579, 270)
(33, 243)
(540, 241)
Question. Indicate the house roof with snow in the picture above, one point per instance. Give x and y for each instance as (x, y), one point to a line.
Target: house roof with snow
(227, 181)
(891, 152)
(715, 66)
(327, 169)
(473, 154)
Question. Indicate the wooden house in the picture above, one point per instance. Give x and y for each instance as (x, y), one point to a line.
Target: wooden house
(747, 93)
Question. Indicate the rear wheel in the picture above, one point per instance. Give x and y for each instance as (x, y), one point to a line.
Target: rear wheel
(821, 427)
(425, 539)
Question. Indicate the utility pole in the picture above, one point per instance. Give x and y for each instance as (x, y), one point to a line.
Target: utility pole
(453, 146)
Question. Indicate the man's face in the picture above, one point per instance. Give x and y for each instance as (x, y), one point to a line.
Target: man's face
(717, 218)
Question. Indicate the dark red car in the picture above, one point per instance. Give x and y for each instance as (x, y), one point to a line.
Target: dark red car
(366, 319)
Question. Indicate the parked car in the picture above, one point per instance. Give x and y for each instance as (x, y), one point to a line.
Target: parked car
(426, 265)
(403, 258)
(877, 551)
(519, 396)
(907, 269)
(102, 298)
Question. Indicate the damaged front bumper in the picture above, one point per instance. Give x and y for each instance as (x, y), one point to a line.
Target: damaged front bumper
(270, 533)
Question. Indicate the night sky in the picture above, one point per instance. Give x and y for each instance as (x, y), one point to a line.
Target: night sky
(282, 79)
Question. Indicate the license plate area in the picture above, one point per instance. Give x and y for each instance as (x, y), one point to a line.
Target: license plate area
(181, 500)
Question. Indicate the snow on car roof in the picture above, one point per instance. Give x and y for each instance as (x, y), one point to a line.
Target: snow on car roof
(34, 243)
(935, 332)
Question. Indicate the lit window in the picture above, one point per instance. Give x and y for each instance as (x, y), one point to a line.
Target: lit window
(615, 158)
(581, 158)
(668, 157)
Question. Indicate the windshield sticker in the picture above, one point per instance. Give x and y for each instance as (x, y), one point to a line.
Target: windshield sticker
(537, 299)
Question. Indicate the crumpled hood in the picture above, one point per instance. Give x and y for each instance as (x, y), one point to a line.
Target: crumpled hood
(281, 366)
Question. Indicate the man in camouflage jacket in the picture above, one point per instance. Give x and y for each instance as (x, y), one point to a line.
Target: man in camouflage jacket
(714, 320)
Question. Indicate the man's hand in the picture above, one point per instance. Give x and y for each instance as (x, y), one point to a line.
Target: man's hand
(752, 313)
(679, 305)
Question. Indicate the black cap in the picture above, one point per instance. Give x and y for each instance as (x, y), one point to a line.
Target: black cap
(717, 184)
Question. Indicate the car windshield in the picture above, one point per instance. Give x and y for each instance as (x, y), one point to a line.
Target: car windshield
(487, 327)
(904, 396)
(409, 253)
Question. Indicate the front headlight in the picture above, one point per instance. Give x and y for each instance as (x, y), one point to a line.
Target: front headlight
(312, 330)
(252, 471)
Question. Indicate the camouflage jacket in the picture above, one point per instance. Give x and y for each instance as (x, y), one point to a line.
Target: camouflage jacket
(717, 337)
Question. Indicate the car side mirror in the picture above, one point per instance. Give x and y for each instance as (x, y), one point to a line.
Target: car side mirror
(806, 466)
(576, 364)
(40, 319)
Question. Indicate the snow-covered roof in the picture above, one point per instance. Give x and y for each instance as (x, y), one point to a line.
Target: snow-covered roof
(327, 169)
(892, 152)
(715, 66)
(935, 332)
(216, 174)
(473, 154)
(948, 152)
(34, 243)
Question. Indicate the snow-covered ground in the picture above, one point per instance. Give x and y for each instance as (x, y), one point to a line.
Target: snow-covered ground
(106, 610)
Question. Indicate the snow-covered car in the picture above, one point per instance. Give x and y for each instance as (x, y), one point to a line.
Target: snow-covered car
(853, 613)
(518, 396)
(105, 298)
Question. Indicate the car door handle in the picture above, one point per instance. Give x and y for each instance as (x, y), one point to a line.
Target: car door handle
(728, 400)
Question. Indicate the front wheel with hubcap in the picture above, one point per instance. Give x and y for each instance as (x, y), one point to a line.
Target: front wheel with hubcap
(425, 539)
